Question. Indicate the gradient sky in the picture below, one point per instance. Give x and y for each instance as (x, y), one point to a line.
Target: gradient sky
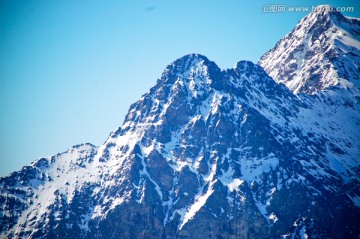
(69, 70)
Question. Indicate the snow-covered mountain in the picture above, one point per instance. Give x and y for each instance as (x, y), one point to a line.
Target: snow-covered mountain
(320, 62)
(322, 51)
(207, 153)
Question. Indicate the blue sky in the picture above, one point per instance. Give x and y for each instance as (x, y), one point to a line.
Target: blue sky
(69, 70)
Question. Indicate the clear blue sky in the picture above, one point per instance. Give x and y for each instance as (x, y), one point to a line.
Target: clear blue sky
(69, 70)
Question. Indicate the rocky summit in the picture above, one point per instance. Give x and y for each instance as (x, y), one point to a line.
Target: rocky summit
(322, 51)
(258, 151)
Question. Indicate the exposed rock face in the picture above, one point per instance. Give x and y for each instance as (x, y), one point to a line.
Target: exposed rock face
(206, 153)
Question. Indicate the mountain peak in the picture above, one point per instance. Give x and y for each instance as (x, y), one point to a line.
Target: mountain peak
(189, 64)
(324, 9)
(320, 52)
(194, 56)
(190, 60)
(325, 13)
(247, 66)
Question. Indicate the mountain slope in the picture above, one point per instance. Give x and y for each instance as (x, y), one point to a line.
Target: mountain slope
(320, 61)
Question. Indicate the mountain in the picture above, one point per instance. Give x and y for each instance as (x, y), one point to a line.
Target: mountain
(319, 61)
(322, 51)
(206, 153)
